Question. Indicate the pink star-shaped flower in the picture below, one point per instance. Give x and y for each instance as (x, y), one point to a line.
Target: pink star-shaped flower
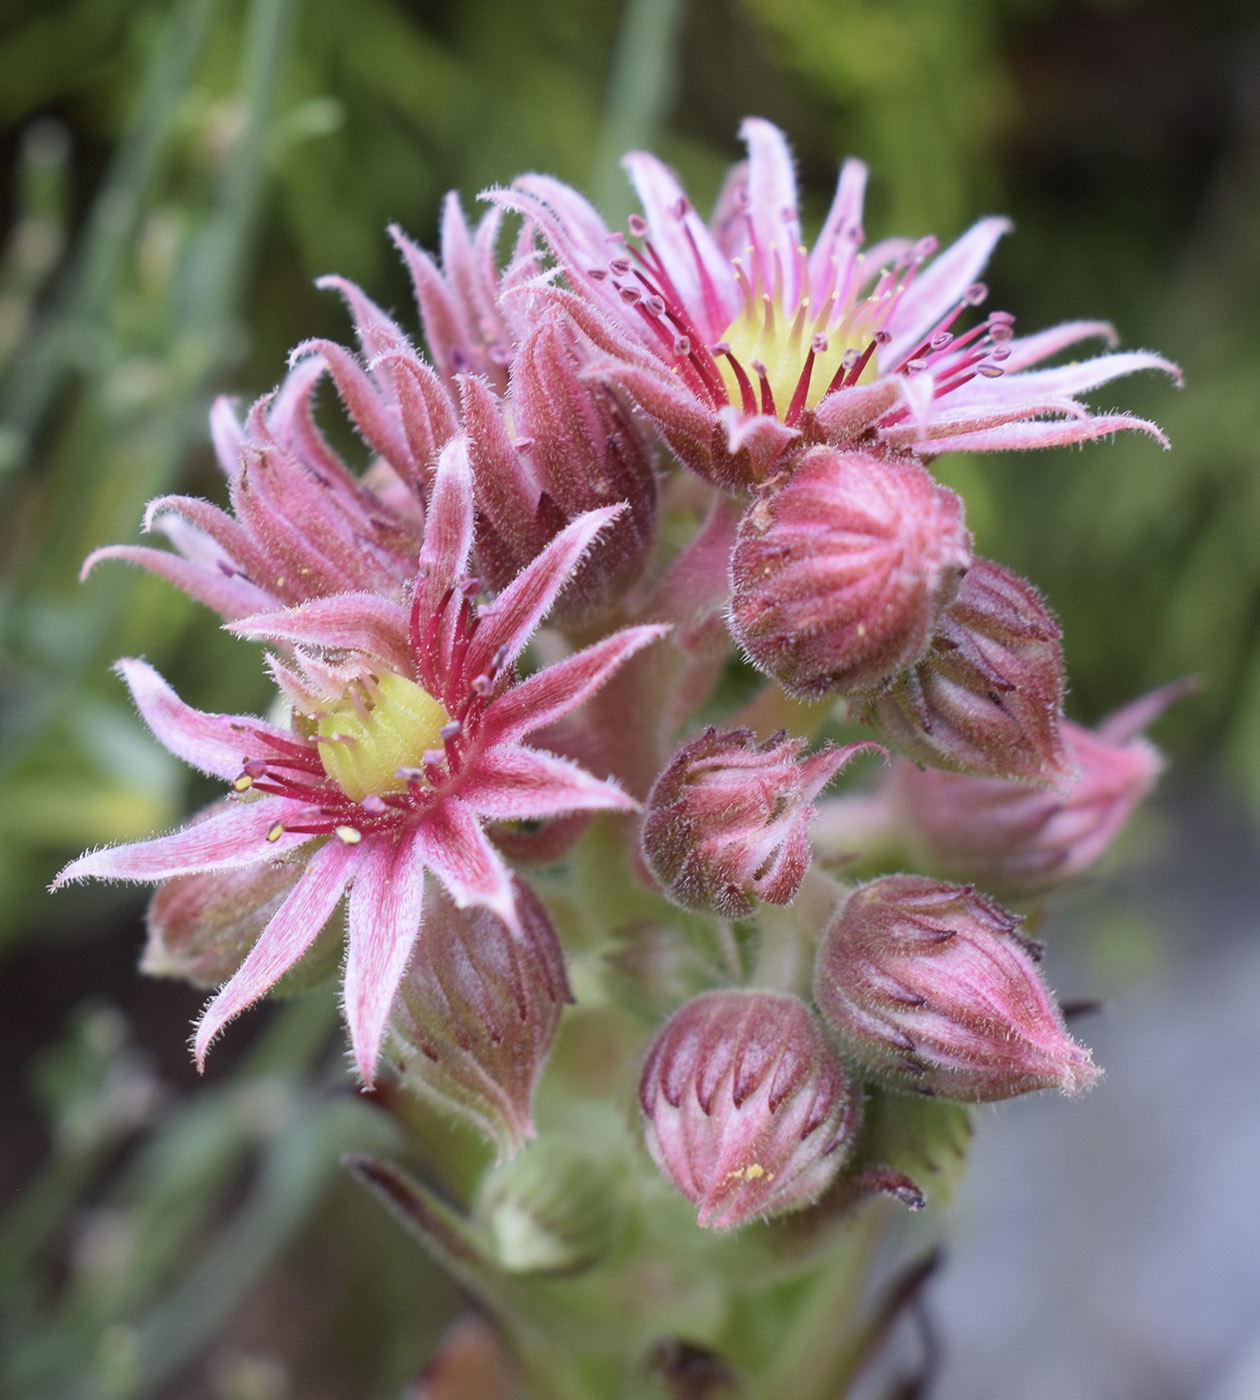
(407, 730)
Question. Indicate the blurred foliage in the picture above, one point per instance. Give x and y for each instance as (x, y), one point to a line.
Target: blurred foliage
(173, 175)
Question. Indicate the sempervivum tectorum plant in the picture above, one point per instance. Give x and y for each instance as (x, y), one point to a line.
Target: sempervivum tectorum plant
(745, 345)
(932, 989)
(746, 1107)
(839, 577)
(728, 819)
(406, 737)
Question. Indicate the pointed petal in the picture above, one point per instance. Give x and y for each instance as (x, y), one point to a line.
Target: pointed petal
(230, 595)
(448, 527)
(383, 919)
(691, 260)
(452, 844)
(819, 769)
(762, 436)
(969, 420)
(1030, 349)
(514, 783)
(227, 435)
(1020, 437)
(772, 207)
(551, 693)
(509, 621)
(361, 622)
(938, 288)
(845, 413)
(831, 262)
(377, 332)
(367, 410)
(1078, 378)
(216, 744)
(232, 836)
(292, 930)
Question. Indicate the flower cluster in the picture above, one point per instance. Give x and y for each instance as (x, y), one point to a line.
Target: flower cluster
(455, 627)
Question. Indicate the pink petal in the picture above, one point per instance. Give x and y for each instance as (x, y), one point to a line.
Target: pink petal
(1020, 437)
(292, 930)
(227, 435)
(511, 783)
(819, 769)
(772, 211)
(368, 411)
(969, 420)
(553, 692)
(232, 836)
(843, 414)
(383, 920)
(216, 744)
(1072, 379)
(377, 332)
(444, 331)
(1030, 349)
(452, 844)
(230, 595)
(509, 621)
(448, 527)
(361, 622)
(686, 260)
(831, 262)
(763, 437)
(938, 288)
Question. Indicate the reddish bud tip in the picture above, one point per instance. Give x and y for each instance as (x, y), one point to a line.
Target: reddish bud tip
(987, 696)
(728, 819)
(934, 991)
(746, 1107)
(839, 577)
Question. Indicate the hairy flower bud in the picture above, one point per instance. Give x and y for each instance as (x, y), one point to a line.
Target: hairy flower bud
(932, 989)
(477, 1011)
(1022, 840)
(838, 578)
(201, 926)
(728, 819)
(987, 696)
(577, 449)
(551, 1211)
(746, 1107)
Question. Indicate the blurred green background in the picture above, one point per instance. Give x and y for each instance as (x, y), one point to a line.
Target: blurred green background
(173, 176)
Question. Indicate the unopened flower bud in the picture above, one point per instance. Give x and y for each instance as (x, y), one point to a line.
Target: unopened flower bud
(1022, 840)
(551, 1211)
(477, 1011)
(728, 819)
(200, 927)
(746, 1106)
(578, 449)
(932, 989)
(987, 696)
(838, 578)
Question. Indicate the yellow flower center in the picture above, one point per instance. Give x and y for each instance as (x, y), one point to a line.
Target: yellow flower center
(370, 737)
(764, 333)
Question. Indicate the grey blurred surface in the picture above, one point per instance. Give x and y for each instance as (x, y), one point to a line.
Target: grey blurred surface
(1109, 1248)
